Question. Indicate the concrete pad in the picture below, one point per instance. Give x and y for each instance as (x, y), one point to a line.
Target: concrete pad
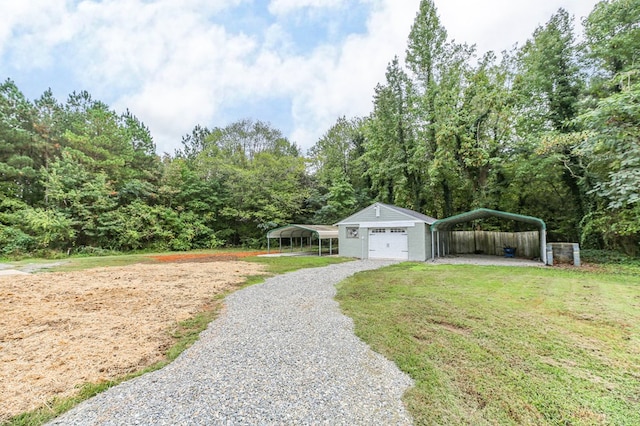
(478, 259)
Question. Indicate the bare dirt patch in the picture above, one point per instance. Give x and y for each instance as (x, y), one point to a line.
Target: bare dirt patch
(205, 257)
(60, 330)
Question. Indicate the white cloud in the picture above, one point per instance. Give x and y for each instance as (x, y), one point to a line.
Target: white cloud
(349, 73)
(32, 29)
(499, 24)
(165, 62)
(285, 7)
(199, 72)
(174, 67)
(330, 81)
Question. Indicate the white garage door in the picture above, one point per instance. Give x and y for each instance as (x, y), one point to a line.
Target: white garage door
(388, 243)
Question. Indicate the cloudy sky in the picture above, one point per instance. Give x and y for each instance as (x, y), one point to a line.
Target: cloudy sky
(299, 64)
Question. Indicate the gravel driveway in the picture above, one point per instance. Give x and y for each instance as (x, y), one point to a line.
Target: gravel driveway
(282, 353)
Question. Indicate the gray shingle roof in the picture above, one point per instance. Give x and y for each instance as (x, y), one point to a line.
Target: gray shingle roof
(412, 213)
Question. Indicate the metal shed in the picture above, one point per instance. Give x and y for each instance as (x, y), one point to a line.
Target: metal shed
(440, 228)
(294, 232)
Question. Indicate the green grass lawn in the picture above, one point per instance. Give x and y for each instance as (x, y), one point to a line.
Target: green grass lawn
(505, 345)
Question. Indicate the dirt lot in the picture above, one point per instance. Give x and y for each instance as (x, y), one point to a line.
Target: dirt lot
(60, 330)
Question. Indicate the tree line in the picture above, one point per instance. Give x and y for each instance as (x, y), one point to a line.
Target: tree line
(550, 129)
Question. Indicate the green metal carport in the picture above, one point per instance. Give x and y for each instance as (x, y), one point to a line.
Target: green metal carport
(445, 225)
(322, 232)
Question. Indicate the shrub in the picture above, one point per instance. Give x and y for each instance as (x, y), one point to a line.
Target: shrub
(607, 257)
(14, 242)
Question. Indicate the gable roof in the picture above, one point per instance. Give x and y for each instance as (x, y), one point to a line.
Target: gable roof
(448, 223)
(406, 212)
(412, 213)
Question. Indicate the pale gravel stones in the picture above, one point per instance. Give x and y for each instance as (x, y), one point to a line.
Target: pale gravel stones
(282, 353)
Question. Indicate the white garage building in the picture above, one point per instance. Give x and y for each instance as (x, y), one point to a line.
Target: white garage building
(383, 231)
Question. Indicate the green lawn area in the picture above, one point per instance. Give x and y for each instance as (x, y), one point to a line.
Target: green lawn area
(505, 345)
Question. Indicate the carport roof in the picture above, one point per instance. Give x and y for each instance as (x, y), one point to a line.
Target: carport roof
(448, 223)
(297, 231)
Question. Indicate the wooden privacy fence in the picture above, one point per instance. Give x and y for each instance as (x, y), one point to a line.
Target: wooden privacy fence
(487, 242)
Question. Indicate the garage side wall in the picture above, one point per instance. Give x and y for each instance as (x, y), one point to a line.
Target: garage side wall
(351, 247)
(416, 242)
(427, 242)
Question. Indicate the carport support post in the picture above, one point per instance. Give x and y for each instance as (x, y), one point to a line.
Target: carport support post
(543, 246)
(268, 245)
(319, 246)
(445, 245)
(330, 246)
(433, 245)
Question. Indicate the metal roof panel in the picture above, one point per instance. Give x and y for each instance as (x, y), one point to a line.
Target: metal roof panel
(449, 222)
(289, 231)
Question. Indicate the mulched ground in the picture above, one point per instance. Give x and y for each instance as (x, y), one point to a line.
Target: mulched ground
(62, 329)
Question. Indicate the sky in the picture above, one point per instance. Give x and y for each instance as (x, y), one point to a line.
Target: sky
(297, 64)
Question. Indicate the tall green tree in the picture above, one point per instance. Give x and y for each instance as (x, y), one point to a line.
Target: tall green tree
(447, 169)
(548, 86)
(486, 130)
(81, 197)
(341, 185)
(391, 142)
(611, 38)
(119, 146)
(610, 147)
(549, 81)
(20, 153)
(426, 51)
(439, 72)
(339, 151)
(257, 175)
(48, 127)
(611, 152)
